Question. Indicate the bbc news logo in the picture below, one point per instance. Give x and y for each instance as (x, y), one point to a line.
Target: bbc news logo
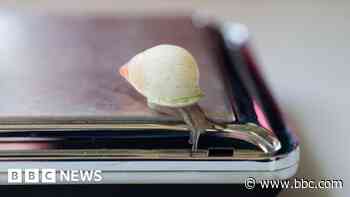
(51, 176)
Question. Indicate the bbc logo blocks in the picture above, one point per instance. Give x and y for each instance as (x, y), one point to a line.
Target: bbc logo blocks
(31, 176)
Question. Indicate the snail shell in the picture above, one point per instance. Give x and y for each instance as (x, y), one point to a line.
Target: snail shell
(166, 75)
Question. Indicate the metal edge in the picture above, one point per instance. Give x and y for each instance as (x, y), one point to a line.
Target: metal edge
(148, 172)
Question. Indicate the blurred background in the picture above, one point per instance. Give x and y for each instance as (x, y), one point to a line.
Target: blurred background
(303, 48)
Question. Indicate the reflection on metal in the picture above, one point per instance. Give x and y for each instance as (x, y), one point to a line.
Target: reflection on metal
(250, 133)
(129, 154)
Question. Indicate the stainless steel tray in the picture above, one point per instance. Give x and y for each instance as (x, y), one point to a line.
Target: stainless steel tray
(62, 99)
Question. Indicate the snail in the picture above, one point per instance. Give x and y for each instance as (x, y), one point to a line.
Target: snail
(168, 76)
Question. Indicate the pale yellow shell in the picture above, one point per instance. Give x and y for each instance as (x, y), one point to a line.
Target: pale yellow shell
(166, 75)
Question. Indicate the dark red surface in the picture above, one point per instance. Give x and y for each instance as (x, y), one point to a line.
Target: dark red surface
(67, 67)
